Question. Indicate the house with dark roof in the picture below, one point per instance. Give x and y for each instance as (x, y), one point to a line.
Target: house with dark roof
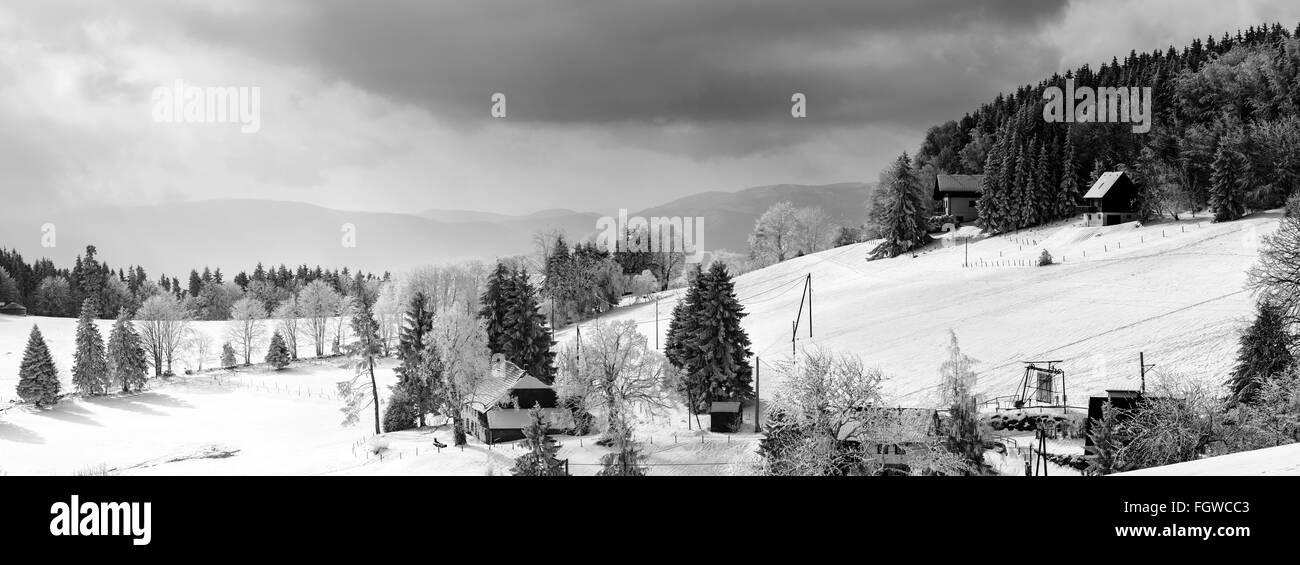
(1113, 199)
(498, 408)
(956, 195)
(13, 309)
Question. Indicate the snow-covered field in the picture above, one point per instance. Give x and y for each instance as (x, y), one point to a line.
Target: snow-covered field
(1172, 289)
(1273, 461)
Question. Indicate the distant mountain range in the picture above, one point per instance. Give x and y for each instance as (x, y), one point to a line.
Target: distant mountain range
(236, 234)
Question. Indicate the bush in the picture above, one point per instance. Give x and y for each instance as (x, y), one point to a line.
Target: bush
(1044, 259)
(400, 413)
(936, 223)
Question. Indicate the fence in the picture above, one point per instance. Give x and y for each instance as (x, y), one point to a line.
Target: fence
(1031, 246)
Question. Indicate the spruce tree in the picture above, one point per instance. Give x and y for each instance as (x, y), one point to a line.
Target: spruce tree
(38, 379)
(529, 345)
(89, 366)
(992, 215)
(277, 355)
(540, 461)
(400, 413)
(1044, 189)
(903, 221)
(127, 362)
(718, 349)
(1225, 194)
(228, 360)
(494, 312)
(1264, 353)
(1107, 442)
(1025, 183)
(415, 383)
(1068, 194)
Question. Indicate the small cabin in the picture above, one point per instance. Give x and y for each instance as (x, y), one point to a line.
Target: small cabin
(13, 309)
(956, 195)
(1124, 400)
(1113, 199)
(499, 408)
(724, 417)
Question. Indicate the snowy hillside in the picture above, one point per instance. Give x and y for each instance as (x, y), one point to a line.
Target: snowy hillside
(1174, 290)
(1273, 461)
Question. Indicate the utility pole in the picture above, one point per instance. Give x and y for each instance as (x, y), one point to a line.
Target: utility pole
(758, 418)
(579, 353)
(1143, 371)
(656, 323)
(810, 306)
(966, 262)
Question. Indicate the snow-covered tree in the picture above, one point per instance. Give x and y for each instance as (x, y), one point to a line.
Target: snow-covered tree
(363, 353)
(89, 365)
(277, 355)
(1225, 185)
(617, 373)
(957, 384)
(247, 326)
(899, 211)
(461, 339)
(317, 304)
(127, 362)
(228, 358)
(38, 379)
(714, 346)
(287, 320)
(776, 234)
(540, 460)
(1264, 353)
(626, 460)
(164, 326)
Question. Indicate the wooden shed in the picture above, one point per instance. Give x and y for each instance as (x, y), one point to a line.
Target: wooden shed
(725, 417)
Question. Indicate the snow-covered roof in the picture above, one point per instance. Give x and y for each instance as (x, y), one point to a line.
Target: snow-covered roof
(957, 183)
(1103, 184)
(494, 389)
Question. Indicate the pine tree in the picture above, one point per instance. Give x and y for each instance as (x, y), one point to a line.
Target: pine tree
(992, 215)
(1225, 193)
(494, 310)
(530, 342)
(277, 355)
(1264, 353)
(1068, 194)
(1044, 189)
(127, 362)
(1025, 183)
(717, 350)
(1107, 442)
(415, 383)
(38, 379)
(89, 366)
(903, 219)
(540, 461)
(228, 360)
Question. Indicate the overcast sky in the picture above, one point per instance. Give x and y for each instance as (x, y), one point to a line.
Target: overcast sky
(385, 106)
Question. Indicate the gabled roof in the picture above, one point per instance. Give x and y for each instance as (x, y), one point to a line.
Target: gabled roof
(957, 183)
(504, 377)
(1104, 184)
(724, 407)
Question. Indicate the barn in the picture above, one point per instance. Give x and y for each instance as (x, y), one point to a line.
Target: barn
(956, 195)
(498, 409)
(13, 309)
(1113, 199)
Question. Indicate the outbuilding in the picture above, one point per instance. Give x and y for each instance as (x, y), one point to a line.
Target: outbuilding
(1113, 199)
(724, 417)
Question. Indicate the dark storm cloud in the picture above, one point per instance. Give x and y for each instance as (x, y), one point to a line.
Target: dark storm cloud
(690, 61)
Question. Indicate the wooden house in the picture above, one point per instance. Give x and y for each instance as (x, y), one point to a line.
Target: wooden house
(499, 407)
(1113, 199)
(956, 195)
